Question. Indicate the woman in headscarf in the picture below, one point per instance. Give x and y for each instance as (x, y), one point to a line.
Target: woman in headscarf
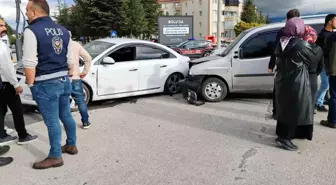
(317, 65)
(293, 88)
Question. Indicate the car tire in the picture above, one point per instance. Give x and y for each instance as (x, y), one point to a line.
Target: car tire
(87, 94)
(207, 53)
(87, 98)
(172, 85)
(214, 90)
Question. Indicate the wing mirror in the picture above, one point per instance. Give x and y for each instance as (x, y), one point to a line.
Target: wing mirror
(108, 60)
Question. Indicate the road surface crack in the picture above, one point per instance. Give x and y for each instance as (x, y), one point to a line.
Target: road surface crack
(243, 164)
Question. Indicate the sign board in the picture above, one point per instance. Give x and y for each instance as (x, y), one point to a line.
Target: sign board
(113, 33)
(175, 29)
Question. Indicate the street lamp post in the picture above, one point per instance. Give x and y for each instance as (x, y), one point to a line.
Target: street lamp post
(219, 16)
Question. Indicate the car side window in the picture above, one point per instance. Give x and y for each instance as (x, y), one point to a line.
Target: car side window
(259, 46)
(150, 53)
(189, 44)
(201, 44)
(123, 54)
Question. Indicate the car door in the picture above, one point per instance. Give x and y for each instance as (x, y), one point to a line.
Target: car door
(250, 63)
(120, 77)
(154, 65)
(186, 48)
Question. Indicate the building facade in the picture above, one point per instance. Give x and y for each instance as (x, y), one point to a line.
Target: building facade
(170, 7)
(205, 16)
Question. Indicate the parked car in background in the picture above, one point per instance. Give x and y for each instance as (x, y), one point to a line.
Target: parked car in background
(194, 48)
(124, 68)
(242, 66)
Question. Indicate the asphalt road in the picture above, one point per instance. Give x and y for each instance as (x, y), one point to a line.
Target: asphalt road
(163, 140)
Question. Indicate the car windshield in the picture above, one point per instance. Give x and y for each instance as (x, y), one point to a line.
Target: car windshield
(218, 51)
(95, 48)
(230, 46)
(179, 45)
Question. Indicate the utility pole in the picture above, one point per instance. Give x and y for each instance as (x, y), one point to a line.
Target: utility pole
(219, 16)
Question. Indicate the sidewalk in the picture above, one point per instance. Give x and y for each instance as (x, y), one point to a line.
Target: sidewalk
(156, 142)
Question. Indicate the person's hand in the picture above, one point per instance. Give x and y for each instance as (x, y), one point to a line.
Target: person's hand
(82, 75)
(270, 70)
(19, 90)
(70, 78)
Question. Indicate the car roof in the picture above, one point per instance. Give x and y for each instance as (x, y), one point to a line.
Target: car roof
(308, 21)
(123, 40)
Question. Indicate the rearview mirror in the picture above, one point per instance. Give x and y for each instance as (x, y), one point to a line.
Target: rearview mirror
(108, 60)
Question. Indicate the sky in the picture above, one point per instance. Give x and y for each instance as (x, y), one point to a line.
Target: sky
(275, 8)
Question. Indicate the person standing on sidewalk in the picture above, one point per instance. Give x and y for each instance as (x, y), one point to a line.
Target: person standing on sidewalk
(10, 91)
(4, 38)
(329, 26)
(47, 64)
(5, 160)
(330, 67)
(271, 65)
(77, 85)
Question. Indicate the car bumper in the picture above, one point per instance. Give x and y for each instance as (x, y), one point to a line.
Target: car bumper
(191, 83)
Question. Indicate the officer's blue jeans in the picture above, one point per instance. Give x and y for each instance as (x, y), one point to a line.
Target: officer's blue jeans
(78, 95)
(53, 100)
(323, 88)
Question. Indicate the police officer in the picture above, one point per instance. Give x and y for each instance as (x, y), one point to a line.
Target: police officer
(48, 78)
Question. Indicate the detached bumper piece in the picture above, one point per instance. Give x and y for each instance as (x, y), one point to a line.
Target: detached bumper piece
(191, 87)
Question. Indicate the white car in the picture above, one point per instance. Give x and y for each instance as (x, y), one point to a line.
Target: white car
(124, 68)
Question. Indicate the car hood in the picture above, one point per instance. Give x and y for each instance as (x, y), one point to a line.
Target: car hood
(205, 59)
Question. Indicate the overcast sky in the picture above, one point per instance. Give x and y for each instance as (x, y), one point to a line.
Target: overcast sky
(275, 8)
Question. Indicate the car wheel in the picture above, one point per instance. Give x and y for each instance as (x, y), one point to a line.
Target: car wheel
(87, 94)
(87, 98)
(214, 90)
(207, 53)
(172, 85)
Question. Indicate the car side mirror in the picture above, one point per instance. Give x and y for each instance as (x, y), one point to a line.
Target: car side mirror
(165, 55)
(108, 60)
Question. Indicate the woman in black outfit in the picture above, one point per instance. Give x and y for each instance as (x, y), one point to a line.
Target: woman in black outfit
(294, 94)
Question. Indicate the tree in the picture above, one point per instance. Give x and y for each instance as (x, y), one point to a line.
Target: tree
(242, 26)
(152, 12)
(134, 22)
(249, 13)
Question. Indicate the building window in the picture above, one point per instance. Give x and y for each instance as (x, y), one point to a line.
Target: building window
(214, 34)
(186, 13)
(200, 2)
(167, 13)
(200, 35)
(214, 14)
(214, 25)
(200, 12)
(200, 24)
(186, 4)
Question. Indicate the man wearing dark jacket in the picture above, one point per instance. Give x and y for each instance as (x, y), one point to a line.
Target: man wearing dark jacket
(330, 67)
(290, 14)
(329, 26)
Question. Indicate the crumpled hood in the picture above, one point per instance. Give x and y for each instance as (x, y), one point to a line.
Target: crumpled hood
(205, 59)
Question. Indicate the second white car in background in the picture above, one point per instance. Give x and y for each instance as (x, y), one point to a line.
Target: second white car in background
(126, 67)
